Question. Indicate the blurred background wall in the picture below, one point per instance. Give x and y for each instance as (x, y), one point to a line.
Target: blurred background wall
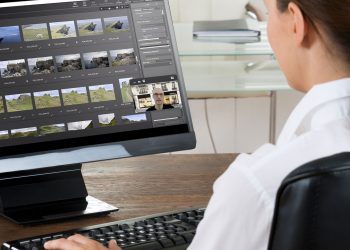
(190, 10)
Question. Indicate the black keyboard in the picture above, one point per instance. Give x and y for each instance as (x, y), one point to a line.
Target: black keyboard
(173, 231)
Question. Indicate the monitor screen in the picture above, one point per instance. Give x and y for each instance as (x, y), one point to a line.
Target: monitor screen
(83, 81)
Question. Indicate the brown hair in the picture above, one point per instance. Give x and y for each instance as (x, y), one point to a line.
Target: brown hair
(330, 16)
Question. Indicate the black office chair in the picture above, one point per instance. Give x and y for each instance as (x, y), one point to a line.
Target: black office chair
(312, 210)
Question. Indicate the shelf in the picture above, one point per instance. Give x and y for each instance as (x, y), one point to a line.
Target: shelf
(217, 78)
(189, 46)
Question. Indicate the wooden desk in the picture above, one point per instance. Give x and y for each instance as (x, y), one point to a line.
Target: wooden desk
(139, 186)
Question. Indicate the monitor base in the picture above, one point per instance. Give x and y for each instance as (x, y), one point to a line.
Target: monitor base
(45, 195)
(94, 207)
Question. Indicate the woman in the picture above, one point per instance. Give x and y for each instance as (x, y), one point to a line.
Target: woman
(311, 40)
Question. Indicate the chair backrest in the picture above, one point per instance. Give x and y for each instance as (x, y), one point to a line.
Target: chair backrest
(312, 209)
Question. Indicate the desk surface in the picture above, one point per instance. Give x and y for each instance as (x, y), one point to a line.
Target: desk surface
(139, 186)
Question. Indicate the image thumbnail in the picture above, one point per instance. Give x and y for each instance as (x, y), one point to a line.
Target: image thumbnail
(9, 34)
(102, 93)
(127, 119)
(52, 129)
(2, 109)
(107, 120)
(13, 68)
(41, 65)
(90, 27)
(67, 63)
(82, 125)
(126, 90)
(4, 135)
(35, 32)
(19, 102)
(95, 60)
(74, 96)
(24, 132)
(116, 24)
(63, 30)
(123, 57)
(47, 99)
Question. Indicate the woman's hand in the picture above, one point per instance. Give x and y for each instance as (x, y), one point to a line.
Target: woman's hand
(79, 242)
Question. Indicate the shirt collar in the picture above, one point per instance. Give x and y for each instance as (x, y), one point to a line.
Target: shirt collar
(317, 105)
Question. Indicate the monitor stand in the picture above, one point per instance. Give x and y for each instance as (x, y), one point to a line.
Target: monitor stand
(47, 194)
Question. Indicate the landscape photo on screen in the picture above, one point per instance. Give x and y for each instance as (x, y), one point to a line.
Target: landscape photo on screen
(4, 134)
(93, 60)
(47, 99)
(107, 120)
(67, 63)
(24, 132)
(80, 125)
(9, 35)
(52, 129)
(19, 102)
(90, 27)
(13, 68)
(2, 107)
(74, 96)
(116, 24)
(41, 65)
(35, 32)
(124, 84)
(61, 30)
(127, 119)
(102, 93)
(123, 57)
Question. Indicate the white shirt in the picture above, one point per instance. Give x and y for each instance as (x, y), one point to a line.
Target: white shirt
(240, 211)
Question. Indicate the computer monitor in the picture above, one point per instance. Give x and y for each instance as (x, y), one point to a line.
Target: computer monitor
(83, 81)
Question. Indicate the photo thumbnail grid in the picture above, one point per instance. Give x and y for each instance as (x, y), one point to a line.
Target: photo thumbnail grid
(104, 120)
(63, 29)
(51, 98)
(67, 63)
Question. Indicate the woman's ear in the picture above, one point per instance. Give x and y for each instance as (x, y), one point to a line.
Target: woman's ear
(299, 25)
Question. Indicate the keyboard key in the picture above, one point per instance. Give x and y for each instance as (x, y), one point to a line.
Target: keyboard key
(173, 222)
(23, 243)
(93, 232)
(166, 242)
(150, 222)
(37, 240)
(191, 213)
(158, 219)
(104, 230)
(168, 218)
(114, 228)
(178, 240)
(119, 232)
(188, 237)
(154, 245)
(181, 216)
(120, 241)
(139, 224)
(124, 226)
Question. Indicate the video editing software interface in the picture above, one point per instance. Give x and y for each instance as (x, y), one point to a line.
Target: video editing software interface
(74, 71)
